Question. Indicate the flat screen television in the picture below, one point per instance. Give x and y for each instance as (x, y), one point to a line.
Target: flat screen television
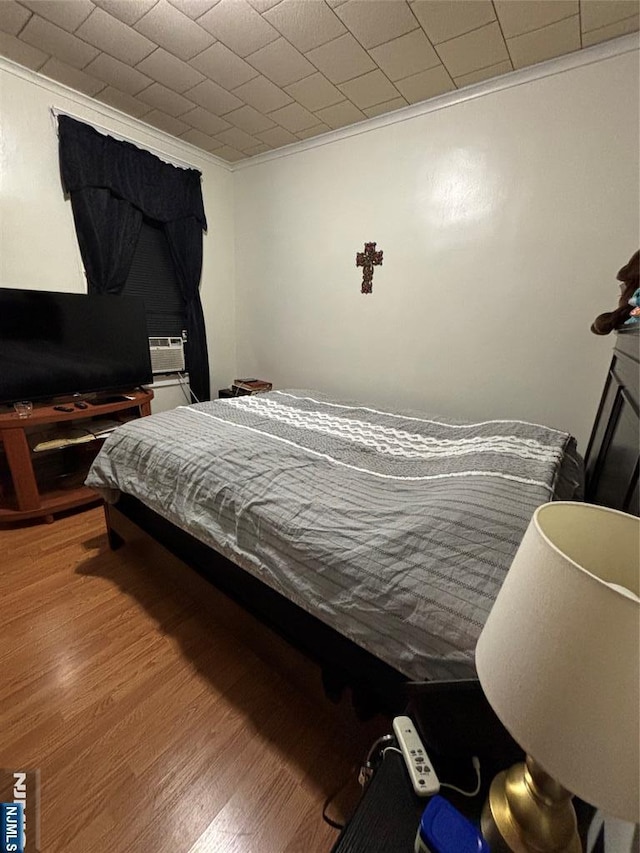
(59, 344)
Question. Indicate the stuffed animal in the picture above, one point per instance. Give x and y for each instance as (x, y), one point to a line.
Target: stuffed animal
(635, 310)
(629, 276)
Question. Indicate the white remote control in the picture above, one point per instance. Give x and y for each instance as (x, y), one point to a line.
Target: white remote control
(423, 777)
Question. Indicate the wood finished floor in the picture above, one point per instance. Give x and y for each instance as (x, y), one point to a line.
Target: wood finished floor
(161, 717)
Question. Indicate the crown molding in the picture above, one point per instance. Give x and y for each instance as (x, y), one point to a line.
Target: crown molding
(559, 65)
(169, 148)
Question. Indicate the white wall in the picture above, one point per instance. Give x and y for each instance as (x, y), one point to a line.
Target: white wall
(38, 246)
(503, 221)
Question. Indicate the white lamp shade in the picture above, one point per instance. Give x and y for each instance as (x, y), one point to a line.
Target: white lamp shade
(559, 657)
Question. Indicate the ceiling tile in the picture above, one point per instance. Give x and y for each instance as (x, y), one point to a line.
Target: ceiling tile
(13, 17)
(277, 136)
(237, 138)
(406, 55)
(426, 84)
(117, 74)
(166, 122)
(473, 50)
(230, 154)
(71, 77)
(201, 140)
(341, 59)
(238, 26)
(316, 130)
(169, 28)
(263, 5)
(220, 64)
(18, 51)
(205, 121)
(445, 19)
(114, 37)
(340, 115)
(121, 101)
(213, 97)
(315, 92)
(306, 25)
(527, 15)
(170, 71)
(386, 107)
(249, 120)
(294, 118)
(193, 8)
(600, 13)
(127, 11)
(484, 74)
(370, 89)
(334, 3)
(68, 14)
(554, 40)
(620, 28)
(262, 94)
(53, 40)
(164, 99)
(281, 63)
(260, 148)
(373, 22)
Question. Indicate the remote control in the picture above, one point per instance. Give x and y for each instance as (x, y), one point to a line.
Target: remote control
(423, 776)
(80, 405)
(63, 408)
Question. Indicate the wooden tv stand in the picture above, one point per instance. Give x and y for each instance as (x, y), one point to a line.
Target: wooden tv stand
(26, 495)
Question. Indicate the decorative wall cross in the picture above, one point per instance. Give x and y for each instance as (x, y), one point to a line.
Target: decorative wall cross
(367, 260)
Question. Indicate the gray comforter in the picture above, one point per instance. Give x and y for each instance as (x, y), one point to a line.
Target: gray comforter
(395, 529)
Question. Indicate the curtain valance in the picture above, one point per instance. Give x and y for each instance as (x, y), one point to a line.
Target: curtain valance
(159, 190)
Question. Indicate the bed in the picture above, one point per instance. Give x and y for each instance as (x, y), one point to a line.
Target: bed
(376, 541)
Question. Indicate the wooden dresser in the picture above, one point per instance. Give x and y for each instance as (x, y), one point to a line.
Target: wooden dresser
(613, 454)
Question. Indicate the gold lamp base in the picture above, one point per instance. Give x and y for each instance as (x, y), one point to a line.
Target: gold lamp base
(527, 811)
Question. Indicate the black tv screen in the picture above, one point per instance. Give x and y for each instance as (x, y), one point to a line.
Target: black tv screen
(57, 344)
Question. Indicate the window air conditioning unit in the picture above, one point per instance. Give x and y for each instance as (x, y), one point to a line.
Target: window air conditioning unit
(167, 355)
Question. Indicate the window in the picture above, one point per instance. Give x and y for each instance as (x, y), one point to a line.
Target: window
(152, 276)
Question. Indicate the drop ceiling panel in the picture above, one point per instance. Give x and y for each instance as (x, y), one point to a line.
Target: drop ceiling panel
(406, 55)
(13, 17)
(68, 14)
(221, 65)
(170, 71)
(306, 25)
(169, 28)
(127, 11)
(545, 43)
(281, 63)
(527, 15)
(53, 40)
(374, 22)
(71, 77)
(118, 74)
(315, 92)
(111, 35)
(266, 73)
(445, 20)
(341, 59)
(238, 25)
(426, 84)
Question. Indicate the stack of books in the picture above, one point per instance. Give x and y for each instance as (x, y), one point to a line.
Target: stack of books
(250, 386)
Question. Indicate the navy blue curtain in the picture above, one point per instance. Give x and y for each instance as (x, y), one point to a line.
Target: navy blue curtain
(111, 185)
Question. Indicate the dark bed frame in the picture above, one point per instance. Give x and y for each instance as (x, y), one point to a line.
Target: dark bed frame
(612, 480)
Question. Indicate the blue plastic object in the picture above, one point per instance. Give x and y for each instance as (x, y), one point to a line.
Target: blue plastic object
(444, 830)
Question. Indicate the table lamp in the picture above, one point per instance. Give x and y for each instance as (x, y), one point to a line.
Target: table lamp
(559, 662)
